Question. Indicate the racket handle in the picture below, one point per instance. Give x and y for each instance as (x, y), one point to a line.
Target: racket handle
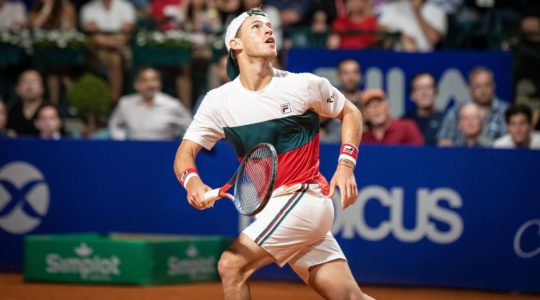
(211, 196)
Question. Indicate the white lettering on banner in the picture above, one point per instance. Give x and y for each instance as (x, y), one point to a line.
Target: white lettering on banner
(352, 220)
(194, 267)
(451, 86)
(88, 268)
(519, 236)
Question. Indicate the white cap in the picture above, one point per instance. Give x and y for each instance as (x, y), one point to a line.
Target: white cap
(233, 28)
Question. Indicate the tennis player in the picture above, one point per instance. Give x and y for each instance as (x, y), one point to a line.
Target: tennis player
(264, 104)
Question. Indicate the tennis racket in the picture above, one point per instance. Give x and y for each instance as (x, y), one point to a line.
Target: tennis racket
(253, 181)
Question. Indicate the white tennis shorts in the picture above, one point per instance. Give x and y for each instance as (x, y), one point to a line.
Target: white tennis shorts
(295, 226)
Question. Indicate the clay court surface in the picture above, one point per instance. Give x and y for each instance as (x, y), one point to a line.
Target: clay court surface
(13, 287)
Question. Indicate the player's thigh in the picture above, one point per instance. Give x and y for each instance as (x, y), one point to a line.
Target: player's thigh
(244, 255)
(334, 280)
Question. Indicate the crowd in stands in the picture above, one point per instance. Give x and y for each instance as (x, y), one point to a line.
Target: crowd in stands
(152, 102)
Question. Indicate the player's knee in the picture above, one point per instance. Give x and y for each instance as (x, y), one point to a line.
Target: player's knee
(228, 267)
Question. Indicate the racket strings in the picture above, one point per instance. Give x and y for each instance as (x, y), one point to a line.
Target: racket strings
(254, 180)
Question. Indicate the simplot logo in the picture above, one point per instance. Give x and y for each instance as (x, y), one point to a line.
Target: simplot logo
(86, 265)
(193, 266)
(24, 197)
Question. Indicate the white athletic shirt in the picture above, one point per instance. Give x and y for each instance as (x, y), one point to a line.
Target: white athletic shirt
(285, 113)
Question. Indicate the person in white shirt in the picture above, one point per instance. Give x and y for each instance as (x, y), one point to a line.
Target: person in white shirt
(421, 24)
(109, 24)
(149, 114)
(520, 129)
(12, 15)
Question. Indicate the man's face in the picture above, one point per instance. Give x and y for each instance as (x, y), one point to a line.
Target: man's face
(30, 86)
(470, 120)
(357, 5)
(482, 88)
(349, 76)
(423, 92)
(257, 38)
(519, 128)
(148, 83)
(377, 112)
(48, 121)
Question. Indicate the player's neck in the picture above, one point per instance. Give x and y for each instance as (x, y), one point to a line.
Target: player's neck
(255, 75)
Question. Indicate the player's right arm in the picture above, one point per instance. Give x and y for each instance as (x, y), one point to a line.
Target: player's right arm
(184, 160)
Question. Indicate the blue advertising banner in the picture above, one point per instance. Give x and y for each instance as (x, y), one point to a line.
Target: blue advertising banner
(425, 216)
(392, 71)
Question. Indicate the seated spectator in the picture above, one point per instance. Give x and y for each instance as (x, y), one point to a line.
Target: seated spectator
(482, 90)
(423, 94)
(355, 31)
(12, 15)
(470, 124)
(54, 15)
(382, 128)
(22, 115)
(291, 12)
(149, 114)
(49, 123)
(422, 25)
(4, 132)
(217, 77)
(350, 77)
(109, 24)
(166, 14)
(520, 129)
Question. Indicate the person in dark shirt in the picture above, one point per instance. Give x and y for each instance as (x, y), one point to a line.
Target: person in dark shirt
(22, 115)
(423, 94)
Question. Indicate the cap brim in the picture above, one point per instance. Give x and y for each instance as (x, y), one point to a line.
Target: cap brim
(232, 66)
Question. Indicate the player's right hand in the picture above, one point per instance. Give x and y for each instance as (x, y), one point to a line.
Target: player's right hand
(195, 193)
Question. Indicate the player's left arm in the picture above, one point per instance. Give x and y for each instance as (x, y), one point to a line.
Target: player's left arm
(351, 134)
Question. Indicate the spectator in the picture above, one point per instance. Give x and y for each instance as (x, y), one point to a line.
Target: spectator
(4, 132)
(12, 15)
(423, 94)
(382, 129)
(422, 25)
(291, 12)
(109, 24)
(470, 124)
(54, 15)
(482, 90)
(49, 123)
(149, 114)
(22, 115)
(350, 77)
(520, 128)
(355, 31)
(166, 14)
(218, 77)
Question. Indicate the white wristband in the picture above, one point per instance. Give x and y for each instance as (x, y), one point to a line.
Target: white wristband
(188, 178)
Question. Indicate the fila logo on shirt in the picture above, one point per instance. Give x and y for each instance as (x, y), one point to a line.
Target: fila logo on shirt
(285, 108)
